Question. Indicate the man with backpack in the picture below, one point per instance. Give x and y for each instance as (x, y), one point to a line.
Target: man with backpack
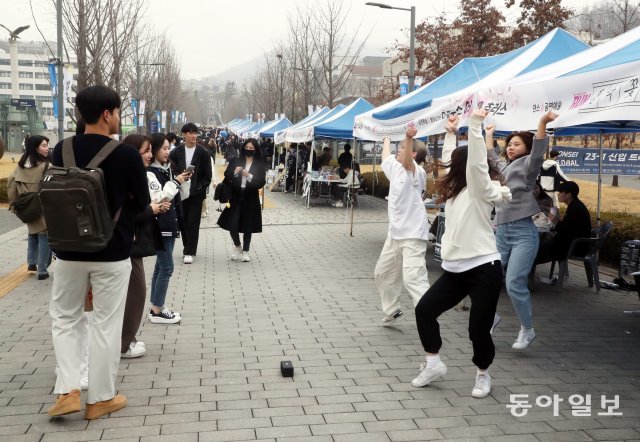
(92, 253)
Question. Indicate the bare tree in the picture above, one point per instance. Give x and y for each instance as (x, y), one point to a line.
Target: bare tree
(335, 49)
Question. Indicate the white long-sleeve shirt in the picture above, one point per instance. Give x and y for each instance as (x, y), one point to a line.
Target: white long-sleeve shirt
(469, 239)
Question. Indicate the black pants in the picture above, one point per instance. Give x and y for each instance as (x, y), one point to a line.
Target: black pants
(236, 219)
(191, 214)
(482, 284)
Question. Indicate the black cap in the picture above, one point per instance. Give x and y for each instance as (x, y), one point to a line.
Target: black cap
(569, 187)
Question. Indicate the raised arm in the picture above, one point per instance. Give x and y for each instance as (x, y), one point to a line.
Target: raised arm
(386, 147)
(449, 140)
(540, 144)
(406, 157)
(488, 136)
(479, 183)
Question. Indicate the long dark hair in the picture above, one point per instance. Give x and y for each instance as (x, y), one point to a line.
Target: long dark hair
(31, 145)
(454, 182)
(256, 146)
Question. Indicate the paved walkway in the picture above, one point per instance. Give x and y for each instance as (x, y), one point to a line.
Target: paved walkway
(308, 296)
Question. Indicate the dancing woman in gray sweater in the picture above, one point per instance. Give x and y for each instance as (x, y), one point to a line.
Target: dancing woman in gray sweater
(516, 234)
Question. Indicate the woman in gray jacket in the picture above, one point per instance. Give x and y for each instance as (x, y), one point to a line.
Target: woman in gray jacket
(516, 234)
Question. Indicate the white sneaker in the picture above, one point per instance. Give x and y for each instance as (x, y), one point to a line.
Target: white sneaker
(525, 337)
(428, 375)
(245, 257)
(236, 254)
(164, 317)
(134, 351)
(496, 321)
(483, 385)
(392, 318)
(339, 203)
(188, 259)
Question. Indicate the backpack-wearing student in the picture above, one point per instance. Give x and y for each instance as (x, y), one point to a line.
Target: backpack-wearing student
(106, 271)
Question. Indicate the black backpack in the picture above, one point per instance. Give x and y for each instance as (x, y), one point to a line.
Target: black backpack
(74, 203)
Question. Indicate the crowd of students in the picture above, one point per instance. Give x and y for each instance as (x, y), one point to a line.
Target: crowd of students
(156, 186)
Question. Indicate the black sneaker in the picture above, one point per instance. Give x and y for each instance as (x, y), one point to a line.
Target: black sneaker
(164, 317)
(31, 268)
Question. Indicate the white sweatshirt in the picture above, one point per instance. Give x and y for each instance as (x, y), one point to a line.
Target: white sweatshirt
(469, 235)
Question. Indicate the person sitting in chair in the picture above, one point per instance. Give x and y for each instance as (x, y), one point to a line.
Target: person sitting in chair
(575, 224)
(350, 180)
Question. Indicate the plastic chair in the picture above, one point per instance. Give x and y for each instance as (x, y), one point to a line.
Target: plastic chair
(590, 260)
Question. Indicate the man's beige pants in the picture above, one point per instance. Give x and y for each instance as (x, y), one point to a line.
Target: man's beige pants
(71, 281)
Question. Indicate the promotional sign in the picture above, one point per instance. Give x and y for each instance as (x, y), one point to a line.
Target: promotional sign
(23, 102)
(143, 105)
(53, 79)
(418, 82)
(404, 84)
(134, 109)
(371, 152)
(580, 160)
(164, 120)
(68, 83)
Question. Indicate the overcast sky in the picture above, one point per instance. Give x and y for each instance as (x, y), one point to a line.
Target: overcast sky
(211, 36)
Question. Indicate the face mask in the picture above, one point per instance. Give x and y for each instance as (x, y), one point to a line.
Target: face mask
(249, 153)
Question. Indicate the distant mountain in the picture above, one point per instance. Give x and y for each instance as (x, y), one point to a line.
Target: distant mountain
(241, 74)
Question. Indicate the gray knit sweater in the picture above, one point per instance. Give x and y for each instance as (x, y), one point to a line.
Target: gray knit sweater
(520, 176)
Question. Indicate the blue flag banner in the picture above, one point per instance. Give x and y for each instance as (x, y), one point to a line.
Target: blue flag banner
(134, 108)
(53, 79)
(580, 160)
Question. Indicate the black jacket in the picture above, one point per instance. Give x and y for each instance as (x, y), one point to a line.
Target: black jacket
(148, 239)
(201, 178)
(126, 188)
(575, 224)
(170, 221)
(247, 202)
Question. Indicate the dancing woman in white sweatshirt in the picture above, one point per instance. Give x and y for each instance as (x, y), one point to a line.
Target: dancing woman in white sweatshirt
(471, 261)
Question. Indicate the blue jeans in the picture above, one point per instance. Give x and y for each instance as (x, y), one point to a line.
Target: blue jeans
(517, 243)
(38, 251)
(162, 272)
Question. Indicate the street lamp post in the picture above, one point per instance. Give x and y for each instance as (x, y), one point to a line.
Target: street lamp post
(138, 64)
(281, 88)
(412, 39)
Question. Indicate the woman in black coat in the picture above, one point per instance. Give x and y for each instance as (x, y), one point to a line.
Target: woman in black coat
(246, 175)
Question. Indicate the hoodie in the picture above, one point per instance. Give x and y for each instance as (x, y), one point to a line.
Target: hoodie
(551, 175)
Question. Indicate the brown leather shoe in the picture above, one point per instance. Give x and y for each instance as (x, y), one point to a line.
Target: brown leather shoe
(99, 409)
(66, 404)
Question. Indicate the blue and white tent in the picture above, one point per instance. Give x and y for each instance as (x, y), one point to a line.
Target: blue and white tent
(464, 79)
(594, 91)
(269, 130)
(340, 125)
(279, 136)
(298, 132)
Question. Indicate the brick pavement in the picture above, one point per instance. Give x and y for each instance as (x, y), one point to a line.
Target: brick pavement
(308, 296)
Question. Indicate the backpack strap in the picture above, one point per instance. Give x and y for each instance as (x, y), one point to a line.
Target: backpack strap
(68, 157)
(103, 153)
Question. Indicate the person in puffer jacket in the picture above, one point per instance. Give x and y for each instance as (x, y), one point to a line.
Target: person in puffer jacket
(164, 188)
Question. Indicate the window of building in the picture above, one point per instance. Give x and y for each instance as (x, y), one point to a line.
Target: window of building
(25, 74)
(5, 73)
(25, 87)
(43, 87)
(5, 61)
(25, 63)
(42, 64)
(5, 95)
(42, 75)
(27, 96)
(5, 85)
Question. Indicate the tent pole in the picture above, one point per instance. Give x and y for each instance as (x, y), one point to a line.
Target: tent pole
(373, 176)
(599, 180)
(350, 185)
(295, 183)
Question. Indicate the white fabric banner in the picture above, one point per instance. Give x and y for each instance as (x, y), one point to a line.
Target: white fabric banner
(143, 105)
(164, 120)
(68, 84)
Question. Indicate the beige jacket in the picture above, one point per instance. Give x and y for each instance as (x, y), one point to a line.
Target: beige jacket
(27, 179)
